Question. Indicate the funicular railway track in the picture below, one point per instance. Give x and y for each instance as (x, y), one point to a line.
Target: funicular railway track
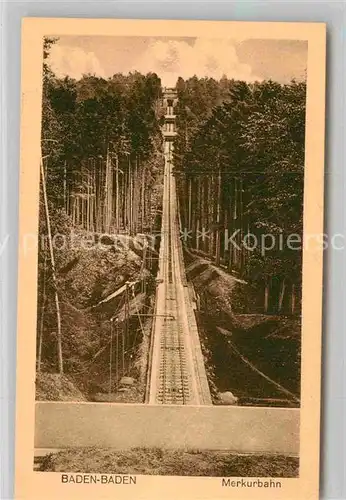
(177, 370)
(173, 383)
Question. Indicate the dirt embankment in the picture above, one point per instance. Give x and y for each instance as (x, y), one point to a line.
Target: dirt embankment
(55, 387)
(157, 461)
(254, 357)
(104, 337)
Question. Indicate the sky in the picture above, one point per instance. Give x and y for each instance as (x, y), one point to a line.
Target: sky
(249, 60)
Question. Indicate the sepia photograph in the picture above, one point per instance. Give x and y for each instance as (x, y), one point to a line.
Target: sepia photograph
(171, 218)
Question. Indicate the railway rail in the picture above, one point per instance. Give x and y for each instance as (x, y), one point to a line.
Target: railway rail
(177, 369)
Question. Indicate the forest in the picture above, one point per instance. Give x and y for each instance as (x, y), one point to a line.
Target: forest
(239, 167)
(97, 138)
(239, 158)
(101, 175)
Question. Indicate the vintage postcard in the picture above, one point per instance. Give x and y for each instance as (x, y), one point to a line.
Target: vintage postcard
(170, 259)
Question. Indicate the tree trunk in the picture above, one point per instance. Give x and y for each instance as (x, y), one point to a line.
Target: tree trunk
(40, 339)
(293, 298)
(231, 229)
(282, 295)
(143, 200)
(198, 213)
(51, 251)
(110, 357)
(126, 327)
(210, 216)
(65, 178)
(117, 206)
(235, 223)
(241, 222)
(117, 354)
(105, 206)
(78, 210)
(218, 213)
(202, 216)
(192, 238)
(190, 204)
(88, 203)
(136, 194)
(130, 197)
(266, 297)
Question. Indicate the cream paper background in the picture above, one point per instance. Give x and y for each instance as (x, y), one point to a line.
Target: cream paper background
(33, 485)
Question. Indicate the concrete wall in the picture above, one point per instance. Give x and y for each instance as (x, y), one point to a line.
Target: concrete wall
(110, 425)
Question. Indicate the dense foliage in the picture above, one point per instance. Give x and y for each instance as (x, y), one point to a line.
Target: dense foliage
(83, 119)
(245, 158)
(239, 160)
(101, 157)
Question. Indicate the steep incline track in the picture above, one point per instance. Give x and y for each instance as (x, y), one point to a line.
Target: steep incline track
(177, 370)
